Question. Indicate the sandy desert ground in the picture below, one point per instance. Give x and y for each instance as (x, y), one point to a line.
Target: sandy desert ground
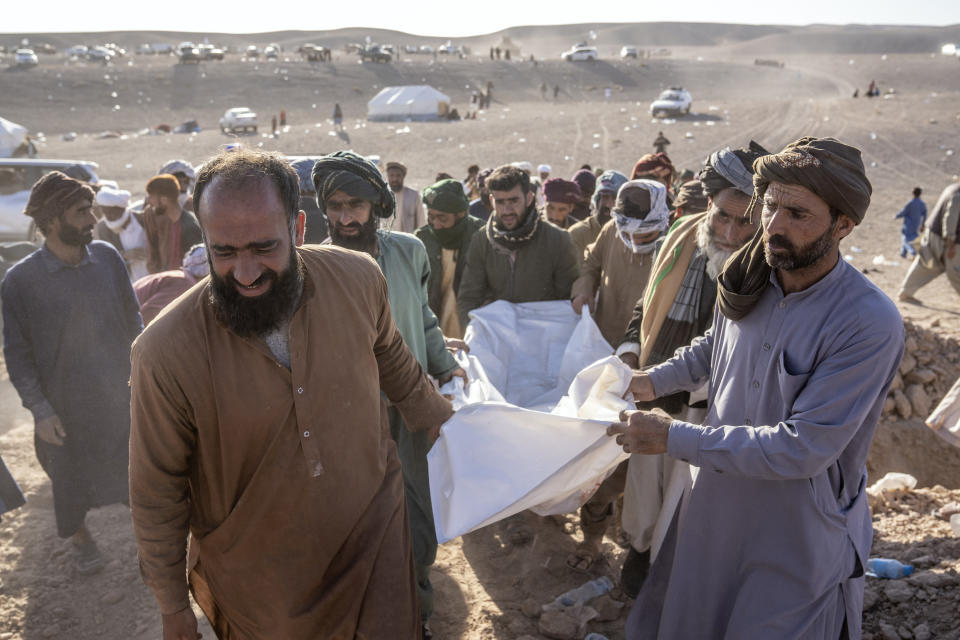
(486, 587)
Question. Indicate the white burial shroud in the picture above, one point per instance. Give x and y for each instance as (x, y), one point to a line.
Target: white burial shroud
(530, 427)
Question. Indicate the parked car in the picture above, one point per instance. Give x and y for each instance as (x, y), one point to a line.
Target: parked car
(411, 48)
(188, 53)
(79, 50)
(17, 177)
(629, 52)
(375, 53)
(271, 52)
(252, 51)
(99, 54)
(579, 53)
(238, 119)
(25, 58)
(673, 101)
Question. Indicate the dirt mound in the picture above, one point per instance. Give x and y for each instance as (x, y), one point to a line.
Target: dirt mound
(930, 365)
(912, 527)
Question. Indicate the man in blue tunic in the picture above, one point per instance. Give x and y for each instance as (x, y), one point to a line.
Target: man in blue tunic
(772, 540)
(69, 317)
(353, 196)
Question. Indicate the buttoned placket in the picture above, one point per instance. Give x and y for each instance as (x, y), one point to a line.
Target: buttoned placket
(301, 396)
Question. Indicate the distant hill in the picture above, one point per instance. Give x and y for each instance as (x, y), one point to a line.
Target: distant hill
(549, 41)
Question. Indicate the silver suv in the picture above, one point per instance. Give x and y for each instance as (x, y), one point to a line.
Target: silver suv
(17, 177)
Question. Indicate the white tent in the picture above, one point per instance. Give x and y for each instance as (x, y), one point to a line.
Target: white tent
(11, 137)
(415, 102)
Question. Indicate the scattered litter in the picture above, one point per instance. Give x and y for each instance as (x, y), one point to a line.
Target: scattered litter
(710, 123)
(128, 166)
(522, 140)
(70, 137)
(713, 107)
(688, 134)
(949, 152)
(856, 249)
(873, 164)
(873, 135)
(596, 145)
(881, 261)
(113, 94)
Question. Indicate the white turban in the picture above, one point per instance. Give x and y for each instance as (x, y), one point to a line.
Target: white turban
(108, 197)
(544, 168)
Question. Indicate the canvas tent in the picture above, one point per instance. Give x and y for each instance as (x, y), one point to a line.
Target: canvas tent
(12, 136)
(414, 102)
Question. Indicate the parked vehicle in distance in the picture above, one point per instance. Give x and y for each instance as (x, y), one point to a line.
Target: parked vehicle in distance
(629, 52)
(25, 58)
(188, 53)
(673, 101)
(252, 51)
(271, 52)
(99, 54)
(79, 50)
(17, 177)
(411, 48)
(580, 53)
(375, 53)
(425, 48)
(238, 119)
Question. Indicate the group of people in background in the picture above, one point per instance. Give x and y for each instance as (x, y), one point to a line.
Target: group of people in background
(280, 410)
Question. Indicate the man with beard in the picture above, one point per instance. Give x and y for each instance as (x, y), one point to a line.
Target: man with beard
(587, 182)
(560, 197)
(446, 237)
(185, 174)
(516, 258)
(772, 540)
(409, 214)
(123, 228)
(258, 429)
(171, 230)
(677, 307)
(353, 196)
(69, 316)
(585, 232)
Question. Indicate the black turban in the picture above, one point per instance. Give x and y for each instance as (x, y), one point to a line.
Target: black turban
(355, 175)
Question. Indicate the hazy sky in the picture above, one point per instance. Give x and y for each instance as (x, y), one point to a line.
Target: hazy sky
(460, 18)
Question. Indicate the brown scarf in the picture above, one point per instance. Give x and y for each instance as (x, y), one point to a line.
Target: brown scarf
(829, 168)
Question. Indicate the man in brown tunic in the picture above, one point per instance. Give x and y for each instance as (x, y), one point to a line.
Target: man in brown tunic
(258, 428)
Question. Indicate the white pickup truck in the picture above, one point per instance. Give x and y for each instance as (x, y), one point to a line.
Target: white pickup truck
(238, 119)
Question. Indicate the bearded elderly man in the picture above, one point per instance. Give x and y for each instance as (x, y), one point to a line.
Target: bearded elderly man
(560, 197)
(354, 197)
(446, 237)
(517, 258)
(259, 429)
(677, 306)
(772, 540)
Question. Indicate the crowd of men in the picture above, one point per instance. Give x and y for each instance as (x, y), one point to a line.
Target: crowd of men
(299, 317)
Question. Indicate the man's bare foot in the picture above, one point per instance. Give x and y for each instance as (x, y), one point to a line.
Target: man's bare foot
(903, 297)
